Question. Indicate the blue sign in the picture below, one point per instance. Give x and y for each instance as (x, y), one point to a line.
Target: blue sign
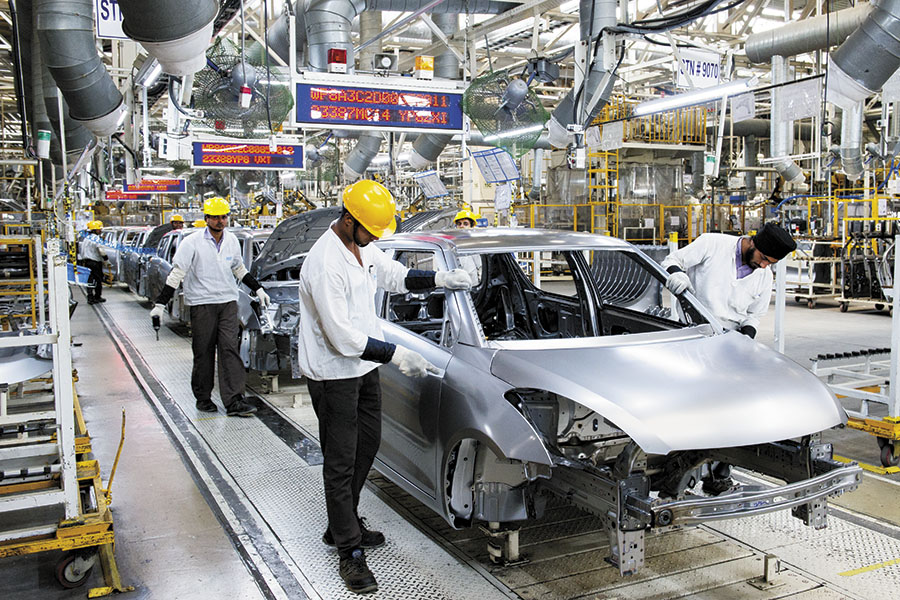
(325, 104)
(247, 155)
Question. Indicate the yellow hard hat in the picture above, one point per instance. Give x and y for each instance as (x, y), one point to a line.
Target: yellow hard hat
(372, 205)
(95, 225)
(178, 218)
(199, 223)
(216, 206)
(466, 214)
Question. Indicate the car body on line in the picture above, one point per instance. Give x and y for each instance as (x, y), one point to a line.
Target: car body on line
(570, 370)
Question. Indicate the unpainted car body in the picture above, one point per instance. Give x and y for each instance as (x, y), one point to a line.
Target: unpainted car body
(595, 385)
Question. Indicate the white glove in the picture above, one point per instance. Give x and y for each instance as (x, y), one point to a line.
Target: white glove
(678, 281)
(411, 363)
(157, 310)
(264, 299)
(457, 279)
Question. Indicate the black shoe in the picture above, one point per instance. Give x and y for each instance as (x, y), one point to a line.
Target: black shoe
(240, 408)
(716, 487)
(206, 406)
(91, 301)
(370, 539)
(356, 574)
(100, 300)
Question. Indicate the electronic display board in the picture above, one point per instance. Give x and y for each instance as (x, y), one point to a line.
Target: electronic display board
(119, 195)
(247, 155)
(156, 186)
(327, 104)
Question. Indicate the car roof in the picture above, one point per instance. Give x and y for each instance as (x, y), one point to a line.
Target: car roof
(509, 239)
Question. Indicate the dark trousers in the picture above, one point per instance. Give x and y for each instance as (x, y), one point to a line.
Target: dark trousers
(95, 279)
(349, 412)
(215, 327)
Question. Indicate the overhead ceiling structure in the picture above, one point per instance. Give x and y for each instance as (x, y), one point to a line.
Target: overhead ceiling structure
(493, 35)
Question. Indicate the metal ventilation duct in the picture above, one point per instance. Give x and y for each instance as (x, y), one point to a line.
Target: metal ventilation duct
(279, 36)
(328, 25)
(360, 157)
(483, 7)
(429, 146)
(781, 138)
(808, 35)
(175, 32)
(66, 31)
(604, 13)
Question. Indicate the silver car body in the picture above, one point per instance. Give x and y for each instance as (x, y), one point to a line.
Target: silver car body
(601, 397)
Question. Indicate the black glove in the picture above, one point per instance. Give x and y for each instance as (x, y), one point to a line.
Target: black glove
(748, 330)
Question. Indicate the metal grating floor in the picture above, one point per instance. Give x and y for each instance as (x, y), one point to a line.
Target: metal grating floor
(282, 507)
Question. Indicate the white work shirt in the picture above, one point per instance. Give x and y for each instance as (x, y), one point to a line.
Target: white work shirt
(710, 263)
(209, 270)
(337, 307)
(89, 248)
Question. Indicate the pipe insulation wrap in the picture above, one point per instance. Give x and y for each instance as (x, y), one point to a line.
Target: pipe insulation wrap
(808, 35)
(429, 146)
(328, 25)
(175, 32)
(781, 138)
(361, 155)
(854, 75)
(851, 141)
(369, 27)
(66, 31)
(604, 15)
(77, 136)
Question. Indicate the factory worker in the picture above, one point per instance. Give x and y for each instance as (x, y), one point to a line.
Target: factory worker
(466, 219)
(340, 348)
(730, 275)
(177, 222)
(93, 253)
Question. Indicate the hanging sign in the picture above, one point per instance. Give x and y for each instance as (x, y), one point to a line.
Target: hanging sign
(156, 186)
(242, 155)
(109, 20)
(698, 68)
(431, 184)
(119, 195)
(743, 107)
(496, 166)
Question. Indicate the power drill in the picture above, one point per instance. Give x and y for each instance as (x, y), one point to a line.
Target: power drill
(155, 320)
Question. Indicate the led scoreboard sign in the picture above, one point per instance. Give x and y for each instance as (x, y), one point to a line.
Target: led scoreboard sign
(243, 155)
(326, 104)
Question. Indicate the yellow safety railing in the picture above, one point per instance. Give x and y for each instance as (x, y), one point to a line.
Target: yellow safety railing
(679, 126)
(21, 287)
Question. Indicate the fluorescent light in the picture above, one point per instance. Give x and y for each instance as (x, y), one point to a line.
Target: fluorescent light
(512, 133)
(693, 97)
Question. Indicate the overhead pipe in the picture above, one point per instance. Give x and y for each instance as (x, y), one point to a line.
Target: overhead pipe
(808, 35)
(604, 13)
(781, 138)
(279, 35)
(429, 146)
(77, 136)
(328, 25)
(851, 141)
(483, 7)
(751, 149)
(175, 32)
(68, 49)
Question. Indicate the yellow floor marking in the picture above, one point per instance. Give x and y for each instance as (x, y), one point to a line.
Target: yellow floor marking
(880, 565)
(868, 467)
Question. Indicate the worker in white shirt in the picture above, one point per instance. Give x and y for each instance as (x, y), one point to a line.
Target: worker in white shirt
(730, 275)
(209, 262)
(466, 219)
(340, 348)
(93, 254)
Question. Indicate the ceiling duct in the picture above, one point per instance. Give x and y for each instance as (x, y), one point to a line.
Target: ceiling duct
(781, 138)
(429, 146)
(808, 35)
(360, 157)
(175, 32)
(604, 12)
(68, 50)
(328, 25)
(853, 75)
(279, 35)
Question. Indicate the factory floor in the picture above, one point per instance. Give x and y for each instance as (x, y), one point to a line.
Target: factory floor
(214, 507)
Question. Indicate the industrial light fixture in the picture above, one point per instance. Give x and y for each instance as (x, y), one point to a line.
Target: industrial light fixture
(149, 72)
(513, 133)
(694, 97)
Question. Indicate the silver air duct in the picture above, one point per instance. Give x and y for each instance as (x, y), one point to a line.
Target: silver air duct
(604, 12)
(808, 35)
(370, 26)
(484, 7)
(328, 25)
(361, 156)
(851, 141)
(279, 36)
(66, 31)
(429, 146)
(537, 174)
(781, 139)
(175, 32)
(751, 149)
(77, 136)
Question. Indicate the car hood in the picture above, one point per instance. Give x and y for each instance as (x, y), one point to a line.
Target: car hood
(673, 392)
(291, 240)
